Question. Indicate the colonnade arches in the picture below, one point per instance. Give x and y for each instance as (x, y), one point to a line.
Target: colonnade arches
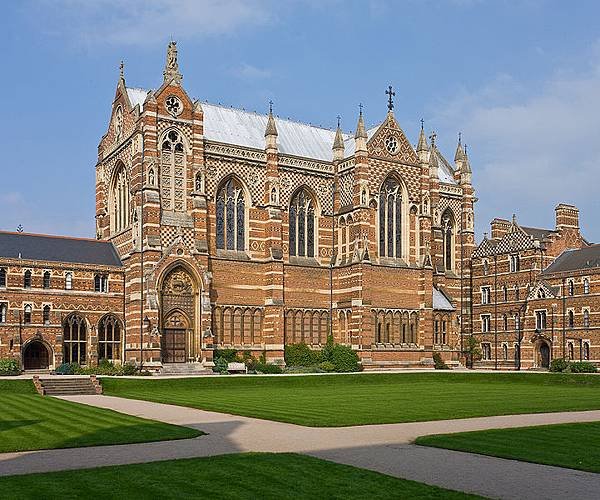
(238, 325)
(307, 326)
(395, 326)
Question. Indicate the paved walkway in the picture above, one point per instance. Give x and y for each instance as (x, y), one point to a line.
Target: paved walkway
(383, 448)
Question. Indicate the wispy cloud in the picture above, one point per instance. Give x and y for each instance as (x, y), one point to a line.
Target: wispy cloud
(250, 72)
(145, 22)
(533, 148)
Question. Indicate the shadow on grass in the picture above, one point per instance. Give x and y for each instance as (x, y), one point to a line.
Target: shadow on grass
(7, 425)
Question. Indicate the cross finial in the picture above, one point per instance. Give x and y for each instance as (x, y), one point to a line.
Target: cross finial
(271, 107)
(338, 120)
(432, 138)
(360, 107)
(460, 137)
(466, 147)
(122, 70)
(422, 123)
(390, 93)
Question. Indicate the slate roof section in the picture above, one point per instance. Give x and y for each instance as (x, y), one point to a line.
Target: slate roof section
(441, 301)
(58, 249)
(575, 260)
(537, 233)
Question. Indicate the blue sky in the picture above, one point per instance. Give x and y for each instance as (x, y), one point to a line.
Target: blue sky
(521, 80)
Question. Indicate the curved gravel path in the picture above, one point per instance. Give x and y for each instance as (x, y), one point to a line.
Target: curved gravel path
(383, 448)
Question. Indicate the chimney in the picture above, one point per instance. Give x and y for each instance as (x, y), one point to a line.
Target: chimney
(567, 216)
(500, 227)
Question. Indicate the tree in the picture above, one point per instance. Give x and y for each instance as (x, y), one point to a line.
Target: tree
(472, 351)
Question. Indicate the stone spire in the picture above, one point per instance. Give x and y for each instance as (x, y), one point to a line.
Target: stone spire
(271, 129)
(422, 144)
(465, 169)
(433, 161)
(361, 134)
(459, 156)
(338, 143)
(171, 72)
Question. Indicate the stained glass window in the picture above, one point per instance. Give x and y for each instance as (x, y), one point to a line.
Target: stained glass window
(231, 216)
(390, 219)
(302, 224)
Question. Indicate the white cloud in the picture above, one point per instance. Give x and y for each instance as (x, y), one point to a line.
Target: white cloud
(533, 148)
(249, 72)
(145, 22)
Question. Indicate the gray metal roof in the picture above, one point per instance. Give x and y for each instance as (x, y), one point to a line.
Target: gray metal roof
(245, 128)
(441, 302)
(537, 233)
(574, 260)
(57, 249)
(137, 96)
(445, 170)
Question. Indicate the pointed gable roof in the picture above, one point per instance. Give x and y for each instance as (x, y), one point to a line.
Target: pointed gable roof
(390, 128)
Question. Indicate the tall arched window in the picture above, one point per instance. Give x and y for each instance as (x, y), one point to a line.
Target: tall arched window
(448, 239)
(46, 280)
(231, 216)
(302, 224)
(571, 317)
(27, 279)
(571, 287)
(74, 340)
(109, 338)
(119, 200)
(586, 285)
(27, 314)
(586, 318)
(46, 315)
(390, 219)
(68, 281)
(172, 173)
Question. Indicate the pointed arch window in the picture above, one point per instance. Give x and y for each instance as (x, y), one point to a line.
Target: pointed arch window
(46, 314)
(390, 219)
(119, 200)
(27, 314)
(448, 239)
(109, 338)
(27, 279)
(586, 318)
(571, 318)
(2, 277)
(172, 173)
(586, 285)
(46, 280)
(302, 224)
(74, 340)
(231, 216)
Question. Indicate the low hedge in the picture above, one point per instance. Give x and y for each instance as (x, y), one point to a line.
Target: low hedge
(105, 367)
(564, 366)
(268, 368)
(301, 355)
(9, 366)
(331, 358)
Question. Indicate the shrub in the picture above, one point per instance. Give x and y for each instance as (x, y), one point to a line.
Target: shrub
(301, 355)
(344, 358)
(9, 367)
(129, 369)
(582, 367)
(268, 368)
(559, 365)
(228, 355)
(327, 366)
(67, 369)
(439, 362)
(220, 365)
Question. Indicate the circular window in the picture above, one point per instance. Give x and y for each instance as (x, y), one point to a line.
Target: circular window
(391, 144)
(173, 105)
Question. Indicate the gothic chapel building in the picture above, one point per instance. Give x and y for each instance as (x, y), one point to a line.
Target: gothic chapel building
(236, 229)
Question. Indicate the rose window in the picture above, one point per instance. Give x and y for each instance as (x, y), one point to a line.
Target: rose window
(173, 105)
(391, 144)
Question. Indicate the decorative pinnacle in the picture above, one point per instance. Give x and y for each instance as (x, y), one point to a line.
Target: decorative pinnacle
(271, 128)
(338, 143)
(422, 144)
(360, 128)
(270, 107)
(422, 123)
(122, 71)
(360, 107)
(391, 94)
(171, 71)
(460, 154)
(338, 120)
(432, 138)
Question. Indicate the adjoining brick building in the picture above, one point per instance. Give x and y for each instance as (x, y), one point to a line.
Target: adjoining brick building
(236, 229)
(61, 300)
(536, 294)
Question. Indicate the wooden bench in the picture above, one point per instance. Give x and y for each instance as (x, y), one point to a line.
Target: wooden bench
(237, 368)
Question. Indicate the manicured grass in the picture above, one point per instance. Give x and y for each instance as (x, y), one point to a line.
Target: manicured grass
(29, 421)
(340, 400)
(576, 446)
(250, 476)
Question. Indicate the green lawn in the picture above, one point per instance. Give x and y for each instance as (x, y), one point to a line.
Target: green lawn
(576, 446)
(242, 476)
(29, 421)
(340, 400)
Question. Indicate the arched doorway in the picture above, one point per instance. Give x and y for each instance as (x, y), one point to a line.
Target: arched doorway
(544, 360)
(178, 317)
(36, 356)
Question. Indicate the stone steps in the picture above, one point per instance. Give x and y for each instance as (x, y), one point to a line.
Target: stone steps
(63, 385)
(185, 369)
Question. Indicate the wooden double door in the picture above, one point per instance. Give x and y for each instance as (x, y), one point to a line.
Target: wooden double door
(174, 348)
